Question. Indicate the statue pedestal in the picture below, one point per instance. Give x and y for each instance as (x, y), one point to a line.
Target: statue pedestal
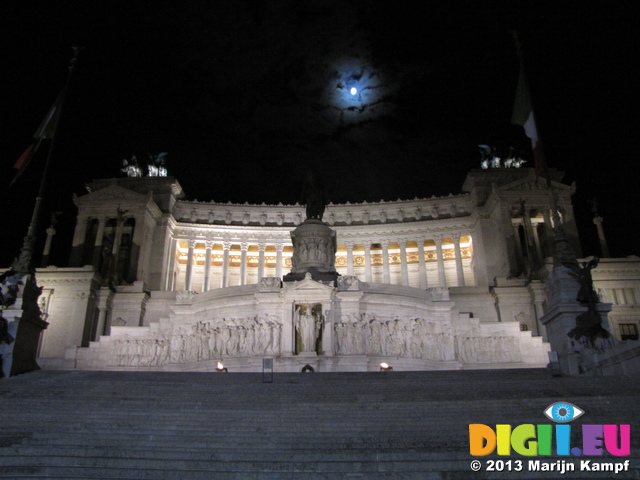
(314, 252)
(25, 325)
(560, 319)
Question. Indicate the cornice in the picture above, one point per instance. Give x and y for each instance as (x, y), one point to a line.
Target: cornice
(348, 214)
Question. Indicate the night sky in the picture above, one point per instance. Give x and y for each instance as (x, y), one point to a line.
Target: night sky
(246, 96)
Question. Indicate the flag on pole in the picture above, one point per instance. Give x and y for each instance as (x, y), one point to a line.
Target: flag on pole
(46, 130)
(523, 115)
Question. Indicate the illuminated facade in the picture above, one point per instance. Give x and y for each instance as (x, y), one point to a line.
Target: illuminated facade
(149, 270)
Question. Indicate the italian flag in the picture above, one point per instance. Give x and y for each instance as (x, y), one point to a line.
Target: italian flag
(523, 115)
(46, 130)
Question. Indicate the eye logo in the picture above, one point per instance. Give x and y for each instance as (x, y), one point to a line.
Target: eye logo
(563, 412)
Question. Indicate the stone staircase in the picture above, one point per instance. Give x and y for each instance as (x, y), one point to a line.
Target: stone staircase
(317, 426)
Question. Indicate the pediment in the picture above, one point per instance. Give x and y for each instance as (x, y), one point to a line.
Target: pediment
(308, 288)
(531, 183)
(112, 194)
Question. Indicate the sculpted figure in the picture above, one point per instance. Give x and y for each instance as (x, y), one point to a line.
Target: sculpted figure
(586, 294)
(313, 197)
(308, 325)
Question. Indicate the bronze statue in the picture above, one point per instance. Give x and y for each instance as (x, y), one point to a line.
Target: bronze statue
(313, 197)
(586, 294)
(588, 329)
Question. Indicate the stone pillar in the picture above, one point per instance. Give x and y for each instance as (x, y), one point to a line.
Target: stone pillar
(349, 246)
(537, 289)
(97, 247)
(604, 248)
(261, 248)
(47, 246)
(458, 253)
(528, 237)
(516, 235)
(548, 231)
(536, 242)
(243, 263)
(548, 218)
(189, 272)
(367, 261)
(104, 304)
(279, 248)
(226, 246)
(442, 281)
(386, 272)
(114, 266)
(78, 242)
(287, 339)
(422, 263)
(403, 262)
(140, 229)
(170, 283)
(207, 265)
(327, 329)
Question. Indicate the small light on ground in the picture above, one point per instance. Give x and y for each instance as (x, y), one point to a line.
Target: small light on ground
(221, 368)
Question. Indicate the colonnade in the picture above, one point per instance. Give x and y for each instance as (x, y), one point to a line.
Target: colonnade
(226, 262)
(534, 244)
(99, 239)
(403, 262)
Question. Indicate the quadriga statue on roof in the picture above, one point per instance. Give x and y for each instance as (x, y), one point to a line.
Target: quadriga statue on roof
(313, 196)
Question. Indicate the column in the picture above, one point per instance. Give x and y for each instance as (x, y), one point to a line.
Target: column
(279, 247)
(103, 304)
(261, 248)
(97, 248)
(113, 267)
(207, 265)
(422, 263)
(349, 246)
(403, 262)
(243, 263)
(78, 240)
(140, 228)
(226, 246)
(386, 272)
(548, 229)
(442, 282)
(536, 241)
(458, 253)
(518, 244)
(604, 248)
(189, 273)
(170, 283)
(47, 246)
(528, 236)
(327, 330)
(367, 261)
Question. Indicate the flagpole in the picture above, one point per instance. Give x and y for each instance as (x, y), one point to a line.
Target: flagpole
(563, 252)
(24, 262)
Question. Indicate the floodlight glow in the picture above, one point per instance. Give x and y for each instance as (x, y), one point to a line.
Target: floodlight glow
(385, 367)
(353, 90)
